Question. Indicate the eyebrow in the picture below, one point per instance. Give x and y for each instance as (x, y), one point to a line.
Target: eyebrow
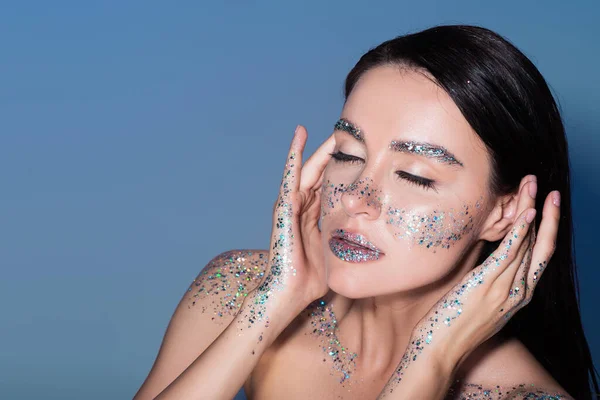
(344, 125)
(429, 150)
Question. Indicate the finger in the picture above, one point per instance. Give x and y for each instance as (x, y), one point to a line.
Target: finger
(527, 194)
(513, 280)
(285, 212)
(311, 211)
(513, 242)
(309, 220)
(526, 200)
(526, 180)
(291, 174)
(546, 240)
(282, 211)
(521, 193)
(312, 171)
(507, 251)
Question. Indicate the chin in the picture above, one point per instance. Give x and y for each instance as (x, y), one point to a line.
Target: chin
(343, 284)
(378, 278)
(356, 281)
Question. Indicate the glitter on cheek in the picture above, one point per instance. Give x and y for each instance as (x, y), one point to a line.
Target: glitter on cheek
(364, 189)
(451, 306)
(330, 196)
(437, 229)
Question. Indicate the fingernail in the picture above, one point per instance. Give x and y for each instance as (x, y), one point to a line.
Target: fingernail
(296, 130)
(556, 198)
(532, 189)
(530, 216)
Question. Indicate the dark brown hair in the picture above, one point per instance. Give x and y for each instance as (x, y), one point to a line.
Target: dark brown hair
(508, 103)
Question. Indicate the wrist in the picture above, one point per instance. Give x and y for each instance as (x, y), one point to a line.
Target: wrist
(443, 356)
(445, 364)
(268, 309)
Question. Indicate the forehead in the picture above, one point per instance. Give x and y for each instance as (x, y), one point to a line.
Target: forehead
(389, 103)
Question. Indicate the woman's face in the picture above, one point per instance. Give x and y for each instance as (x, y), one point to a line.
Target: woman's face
(405, 193)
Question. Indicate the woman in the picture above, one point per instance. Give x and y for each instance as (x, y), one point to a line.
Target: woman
(404, 247)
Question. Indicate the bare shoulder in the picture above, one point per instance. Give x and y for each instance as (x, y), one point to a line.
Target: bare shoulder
(221, 287)
(505, 370)
(208, 306)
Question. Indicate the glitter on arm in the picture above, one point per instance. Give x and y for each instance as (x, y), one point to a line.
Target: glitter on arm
(462, 390)
(222, 286)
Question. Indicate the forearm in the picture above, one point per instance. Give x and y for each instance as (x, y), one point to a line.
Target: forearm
(221, 370)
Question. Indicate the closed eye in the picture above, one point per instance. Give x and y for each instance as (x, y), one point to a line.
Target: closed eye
(343, 157)
(417, 180)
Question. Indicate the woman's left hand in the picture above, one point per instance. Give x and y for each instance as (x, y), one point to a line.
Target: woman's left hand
(480, 305)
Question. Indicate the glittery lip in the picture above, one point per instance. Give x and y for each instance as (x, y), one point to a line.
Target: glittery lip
(353, 247)
(355, 238)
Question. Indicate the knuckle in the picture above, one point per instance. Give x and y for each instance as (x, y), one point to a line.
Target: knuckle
(498, 294)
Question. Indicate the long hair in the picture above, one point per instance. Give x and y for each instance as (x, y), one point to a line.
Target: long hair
(508, 103)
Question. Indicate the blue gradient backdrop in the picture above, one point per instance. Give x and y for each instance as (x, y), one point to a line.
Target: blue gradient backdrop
(140, 139)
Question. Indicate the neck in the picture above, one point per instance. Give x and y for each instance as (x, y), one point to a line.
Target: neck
(378, 328)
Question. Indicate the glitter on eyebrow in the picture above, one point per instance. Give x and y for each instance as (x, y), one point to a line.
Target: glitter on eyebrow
(347, 126)
(427, 150)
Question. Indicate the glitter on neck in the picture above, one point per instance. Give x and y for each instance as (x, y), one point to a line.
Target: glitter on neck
(324, 326)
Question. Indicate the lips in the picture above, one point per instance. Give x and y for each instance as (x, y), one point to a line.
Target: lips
(353, 247)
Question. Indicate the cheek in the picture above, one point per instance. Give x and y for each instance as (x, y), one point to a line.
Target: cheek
(426, 227)
(435, 228)
(330, 196)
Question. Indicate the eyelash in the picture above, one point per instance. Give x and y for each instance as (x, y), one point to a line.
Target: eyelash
(411, 179)
(416, 180)
(343, 157)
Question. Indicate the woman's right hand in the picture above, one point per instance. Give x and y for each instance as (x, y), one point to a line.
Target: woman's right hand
(294, 279)
(296, 275)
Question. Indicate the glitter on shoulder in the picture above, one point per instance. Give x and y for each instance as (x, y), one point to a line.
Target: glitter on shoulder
(471, 391)
(224, 283)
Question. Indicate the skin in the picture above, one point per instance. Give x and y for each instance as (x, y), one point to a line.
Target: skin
(380, 306)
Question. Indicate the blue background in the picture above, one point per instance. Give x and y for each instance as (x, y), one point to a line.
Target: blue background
(140, 139)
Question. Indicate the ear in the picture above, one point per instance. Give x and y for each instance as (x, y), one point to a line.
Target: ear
(504, 213)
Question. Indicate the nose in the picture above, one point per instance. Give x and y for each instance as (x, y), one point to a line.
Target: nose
(362, 198)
